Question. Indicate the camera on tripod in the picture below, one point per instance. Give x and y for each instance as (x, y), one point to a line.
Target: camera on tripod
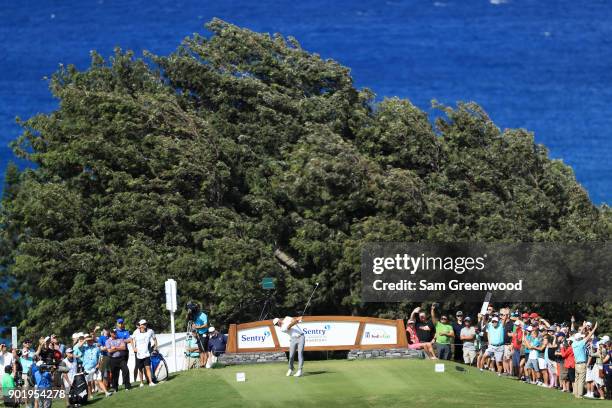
(193, 310)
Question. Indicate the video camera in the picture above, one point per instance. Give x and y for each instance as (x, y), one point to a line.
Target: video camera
(193, 310)
(51, 361)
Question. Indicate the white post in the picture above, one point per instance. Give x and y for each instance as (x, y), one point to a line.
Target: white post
(14, 338)
(171, 306)
(173, 341)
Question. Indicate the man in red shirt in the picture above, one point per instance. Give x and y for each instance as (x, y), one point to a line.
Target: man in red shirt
(517, 342)
(569, 363)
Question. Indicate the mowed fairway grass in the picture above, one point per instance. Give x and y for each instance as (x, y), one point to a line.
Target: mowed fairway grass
(340, 383)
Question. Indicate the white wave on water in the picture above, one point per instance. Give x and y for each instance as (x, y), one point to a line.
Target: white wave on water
(498, 2)
(439, 4)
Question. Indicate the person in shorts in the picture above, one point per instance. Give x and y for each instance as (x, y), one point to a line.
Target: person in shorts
(201, 326)
(594, 366)
(104, 359)
(415, 344)
(89, 353)
(467, 336)
(508, 324)
(495, 349)
(533, 343)
(567, 353)
(143, 339)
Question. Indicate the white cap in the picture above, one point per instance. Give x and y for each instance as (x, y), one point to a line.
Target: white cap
(275, 321)
(75, 336)
(578, 336)
(47, 339)
(142, 321)
(588, 324)
(211, 329)
(604, 340)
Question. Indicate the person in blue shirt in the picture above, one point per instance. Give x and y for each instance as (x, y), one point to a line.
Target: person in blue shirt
(89, 353)
(201, 325)
(495, 335)
(533, 346)
(122, 332)
(104, 359)
(579, 347)
(216, 345)
(26, 360)
(44, 382)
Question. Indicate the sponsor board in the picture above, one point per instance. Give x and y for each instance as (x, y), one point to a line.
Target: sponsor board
(257, 337)
(327, 333)
(379, 334)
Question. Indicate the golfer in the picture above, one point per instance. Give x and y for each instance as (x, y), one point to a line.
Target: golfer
(289, 325)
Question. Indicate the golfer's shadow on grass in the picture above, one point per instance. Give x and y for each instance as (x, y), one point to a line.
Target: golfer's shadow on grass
(309, 373)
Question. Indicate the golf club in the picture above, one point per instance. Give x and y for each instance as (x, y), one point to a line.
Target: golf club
(310, 298)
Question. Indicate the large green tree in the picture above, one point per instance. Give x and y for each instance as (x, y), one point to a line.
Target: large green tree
(204, 165)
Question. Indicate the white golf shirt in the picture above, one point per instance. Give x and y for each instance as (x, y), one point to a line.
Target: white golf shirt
(294, 331)
(6, 359)
(142, 341)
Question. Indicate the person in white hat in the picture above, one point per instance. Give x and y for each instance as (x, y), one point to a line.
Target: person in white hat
(217, 343)
(289, 326)
(580, 355)
(144, 341)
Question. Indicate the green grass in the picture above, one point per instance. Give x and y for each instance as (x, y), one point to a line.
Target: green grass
(338, 383)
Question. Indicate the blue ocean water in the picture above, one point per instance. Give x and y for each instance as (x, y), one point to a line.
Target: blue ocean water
(542, 65)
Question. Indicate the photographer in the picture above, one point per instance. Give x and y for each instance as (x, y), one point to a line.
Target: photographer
(44, 382)
(200, 323)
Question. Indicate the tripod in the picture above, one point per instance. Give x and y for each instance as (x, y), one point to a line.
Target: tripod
(266, 308)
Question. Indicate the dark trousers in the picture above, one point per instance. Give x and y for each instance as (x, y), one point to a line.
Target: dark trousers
(516, 362)
(444, 351)
(119, 364)
(458, 353)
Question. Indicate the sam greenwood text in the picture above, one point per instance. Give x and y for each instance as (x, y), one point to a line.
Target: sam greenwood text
(408, 285)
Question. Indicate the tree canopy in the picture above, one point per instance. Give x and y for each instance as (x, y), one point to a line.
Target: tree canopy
(199, 165)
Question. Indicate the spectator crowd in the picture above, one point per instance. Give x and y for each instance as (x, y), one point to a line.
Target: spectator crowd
(100, 357)
(563, 356)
